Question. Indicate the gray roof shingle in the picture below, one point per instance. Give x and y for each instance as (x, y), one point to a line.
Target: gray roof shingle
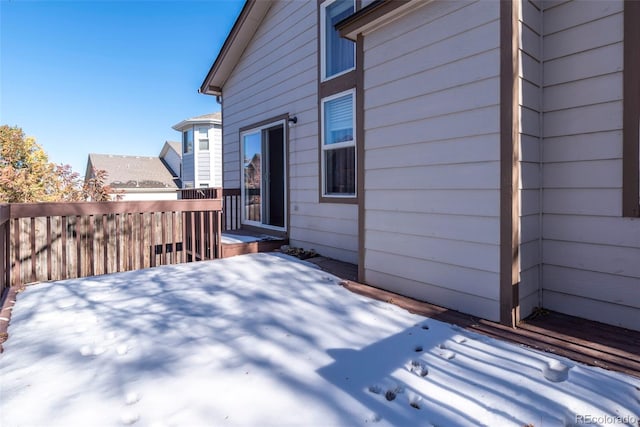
(133, 171)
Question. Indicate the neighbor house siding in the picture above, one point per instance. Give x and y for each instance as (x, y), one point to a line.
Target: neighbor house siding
(530, 26)
(188, 172)
(591, 253)
(174, 161)
(204, 168)
(278, 74)
(432, 155)
(215, 141)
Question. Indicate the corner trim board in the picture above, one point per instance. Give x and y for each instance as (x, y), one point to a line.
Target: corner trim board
(509, 163)
(631, 111)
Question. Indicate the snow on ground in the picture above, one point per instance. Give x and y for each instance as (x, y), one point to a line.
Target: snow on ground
(228, 238)
(265, 339)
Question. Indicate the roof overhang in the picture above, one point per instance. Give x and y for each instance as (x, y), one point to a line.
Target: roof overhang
(195, 121)
(241, 34)
(374, 15)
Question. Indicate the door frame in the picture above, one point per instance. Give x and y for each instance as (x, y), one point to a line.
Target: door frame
(283, 121)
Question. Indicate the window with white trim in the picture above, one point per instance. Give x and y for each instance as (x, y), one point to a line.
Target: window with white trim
(338, 54)
(203, 139)
(339, 145)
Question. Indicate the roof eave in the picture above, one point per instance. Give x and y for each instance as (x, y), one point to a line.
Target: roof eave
(188, 122)
(241, 33)
(375, 14)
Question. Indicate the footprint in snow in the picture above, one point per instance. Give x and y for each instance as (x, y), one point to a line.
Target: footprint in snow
(418, 368)
(375, 389)
(445, 352)
(122, 349)
(374, 418)
(459, 339)
(391, 394)
(129, 417)
(132, 398)
(556, 371)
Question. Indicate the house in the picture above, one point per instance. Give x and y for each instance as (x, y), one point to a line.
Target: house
(171, 156)
(201, 151)
(479, 155)
(140, 177)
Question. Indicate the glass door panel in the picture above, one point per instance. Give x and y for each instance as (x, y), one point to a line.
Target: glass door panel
(252, 170)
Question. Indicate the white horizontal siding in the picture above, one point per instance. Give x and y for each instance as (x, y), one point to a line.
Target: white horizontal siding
(432, 156)
(530, 55)
(277, 74)
(590, 253)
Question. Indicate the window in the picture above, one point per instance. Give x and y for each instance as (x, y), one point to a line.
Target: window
(203, 139)
(338, 54)
(338, 145)
(187, 141)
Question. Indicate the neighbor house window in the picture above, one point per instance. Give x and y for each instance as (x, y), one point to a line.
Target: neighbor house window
(338, 145)
(187, 141)
(203, 139)
(338, 54)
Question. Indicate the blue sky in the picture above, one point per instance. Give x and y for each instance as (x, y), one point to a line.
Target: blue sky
(107, 77)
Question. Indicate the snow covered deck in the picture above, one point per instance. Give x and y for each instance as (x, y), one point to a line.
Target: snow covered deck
(265, 339)
(242, 242)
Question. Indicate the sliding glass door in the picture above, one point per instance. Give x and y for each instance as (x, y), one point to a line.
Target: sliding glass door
(264, 176)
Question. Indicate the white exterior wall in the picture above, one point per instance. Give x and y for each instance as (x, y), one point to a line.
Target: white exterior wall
(530, 143)
(174, 161)
(215, 155)
(432, 161)
(278, 74)
(188, 169)
(591, 253)
(204, 167)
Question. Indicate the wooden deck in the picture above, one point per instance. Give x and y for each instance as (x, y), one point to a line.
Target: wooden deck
(263, 244)
(585, 341)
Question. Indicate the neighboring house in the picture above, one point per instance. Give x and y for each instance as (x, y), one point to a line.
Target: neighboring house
(201, 151)
(138, 177)
(171, 155)
(479, 155)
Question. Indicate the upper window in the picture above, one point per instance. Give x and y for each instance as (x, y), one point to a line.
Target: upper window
(203, 139)
(338, 54)
(187, 141)
(338, 145)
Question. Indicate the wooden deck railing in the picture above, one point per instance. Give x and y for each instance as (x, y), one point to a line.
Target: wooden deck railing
(231, 209)
(5, 265)
(230, 203)
(54, 241)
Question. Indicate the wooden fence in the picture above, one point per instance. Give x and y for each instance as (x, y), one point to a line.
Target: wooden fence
(230, 203)
(5, 264)
(55, 241)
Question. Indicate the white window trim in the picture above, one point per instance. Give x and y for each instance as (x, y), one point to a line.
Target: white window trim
(323, 47)
(243, 219)
(338, 145)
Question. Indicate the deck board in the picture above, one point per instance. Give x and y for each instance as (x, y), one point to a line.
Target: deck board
(586, 341)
